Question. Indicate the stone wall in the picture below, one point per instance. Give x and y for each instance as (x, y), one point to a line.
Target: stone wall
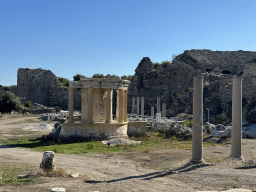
(40, 86)
(174, 83)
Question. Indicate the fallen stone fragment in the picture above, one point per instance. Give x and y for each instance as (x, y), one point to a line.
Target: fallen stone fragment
(58, 189)
(120, 141)
(47, 161)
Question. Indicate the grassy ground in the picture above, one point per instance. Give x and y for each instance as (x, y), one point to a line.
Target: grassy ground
(10, 173)
(156, 141)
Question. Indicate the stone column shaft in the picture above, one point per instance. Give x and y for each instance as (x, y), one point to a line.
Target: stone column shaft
(152, 111)
(121, 106)
(138, 106)
(90, 105)
(197, 130)
(133, 105)
(84, 105)
(142, 106)
(158, 105)
(117, 105)
(236, 136)
(125, 106)
(71, 105)
(109, 106)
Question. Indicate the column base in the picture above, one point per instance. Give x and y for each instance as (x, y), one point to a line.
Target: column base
(194, 161)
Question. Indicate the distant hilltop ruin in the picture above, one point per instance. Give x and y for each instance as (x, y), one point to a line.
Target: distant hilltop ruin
(172, 82)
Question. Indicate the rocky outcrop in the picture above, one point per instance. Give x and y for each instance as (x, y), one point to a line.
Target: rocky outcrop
(174, 83)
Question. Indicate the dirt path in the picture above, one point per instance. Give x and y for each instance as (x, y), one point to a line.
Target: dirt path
(155, 171)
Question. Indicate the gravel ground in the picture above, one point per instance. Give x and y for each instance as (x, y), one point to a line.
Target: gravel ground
(166, 170)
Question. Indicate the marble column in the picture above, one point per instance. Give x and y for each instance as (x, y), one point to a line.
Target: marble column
(125, 106)
(71, 105)
(121, 106)
(142, 106)
(84, 105)
(90, 105)
(117, 105)
(109, 106)
(133, 105)
(152, 111)
(158, 105)
(236, 136)
(197, 129)
(138, 106)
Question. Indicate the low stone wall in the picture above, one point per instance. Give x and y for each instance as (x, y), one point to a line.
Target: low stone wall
(97, 130)
(137, 128)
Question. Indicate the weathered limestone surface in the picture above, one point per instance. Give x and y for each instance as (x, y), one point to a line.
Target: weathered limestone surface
(197, 129)
(48, 161)
(236, 132)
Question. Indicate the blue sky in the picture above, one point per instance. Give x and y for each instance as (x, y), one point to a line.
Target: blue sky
(85, 37)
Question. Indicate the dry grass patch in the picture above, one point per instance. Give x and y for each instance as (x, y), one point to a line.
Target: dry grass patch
(58, 172)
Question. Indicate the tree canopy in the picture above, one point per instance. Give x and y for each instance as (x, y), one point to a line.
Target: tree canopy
(9, 102)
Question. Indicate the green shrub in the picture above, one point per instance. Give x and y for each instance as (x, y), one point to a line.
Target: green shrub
(63, 81)
(77, 77)
(28, 104)
(166, 63)
(188, 123)
(10, 102)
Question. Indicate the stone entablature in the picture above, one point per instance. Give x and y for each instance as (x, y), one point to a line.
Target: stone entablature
(102, 83)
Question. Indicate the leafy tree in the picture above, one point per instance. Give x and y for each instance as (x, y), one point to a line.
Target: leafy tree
(10, 102)
(63, 81)
(124, 77)
(156, 65)
(166, 63)
(77, 77)
(129, 77)
(28, 104)
(97, 75)
(114, 77)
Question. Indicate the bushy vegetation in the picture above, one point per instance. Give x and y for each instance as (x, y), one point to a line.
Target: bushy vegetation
(10, 102)
(164, 64)
(188, 123)
(63, 81)
(129, 77)
(28, 104)
(77, 77)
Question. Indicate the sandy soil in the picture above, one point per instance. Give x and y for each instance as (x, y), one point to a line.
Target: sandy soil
(155, 171)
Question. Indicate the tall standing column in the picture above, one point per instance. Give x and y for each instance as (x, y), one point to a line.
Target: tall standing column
(71, 105)
(109, 106)
(133, 105)
(138, 106)
(158, 105)
(125, 106)
(142, 106)
(90, 105)
(236, 136)
(84, 105)
(152, 111)
(117, 104)
(121, 106)
(197, 130)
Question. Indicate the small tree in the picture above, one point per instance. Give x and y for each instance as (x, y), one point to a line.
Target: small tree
(77, 77)
(28, 104)
(156, 65)
(10, 102)
(166, 63)
(124, 77)
(63, 81)
(97, 75)
(129, 77)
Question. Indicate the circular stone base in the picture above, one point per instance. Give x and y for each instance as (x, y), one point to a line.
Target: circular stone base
(58, 189)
